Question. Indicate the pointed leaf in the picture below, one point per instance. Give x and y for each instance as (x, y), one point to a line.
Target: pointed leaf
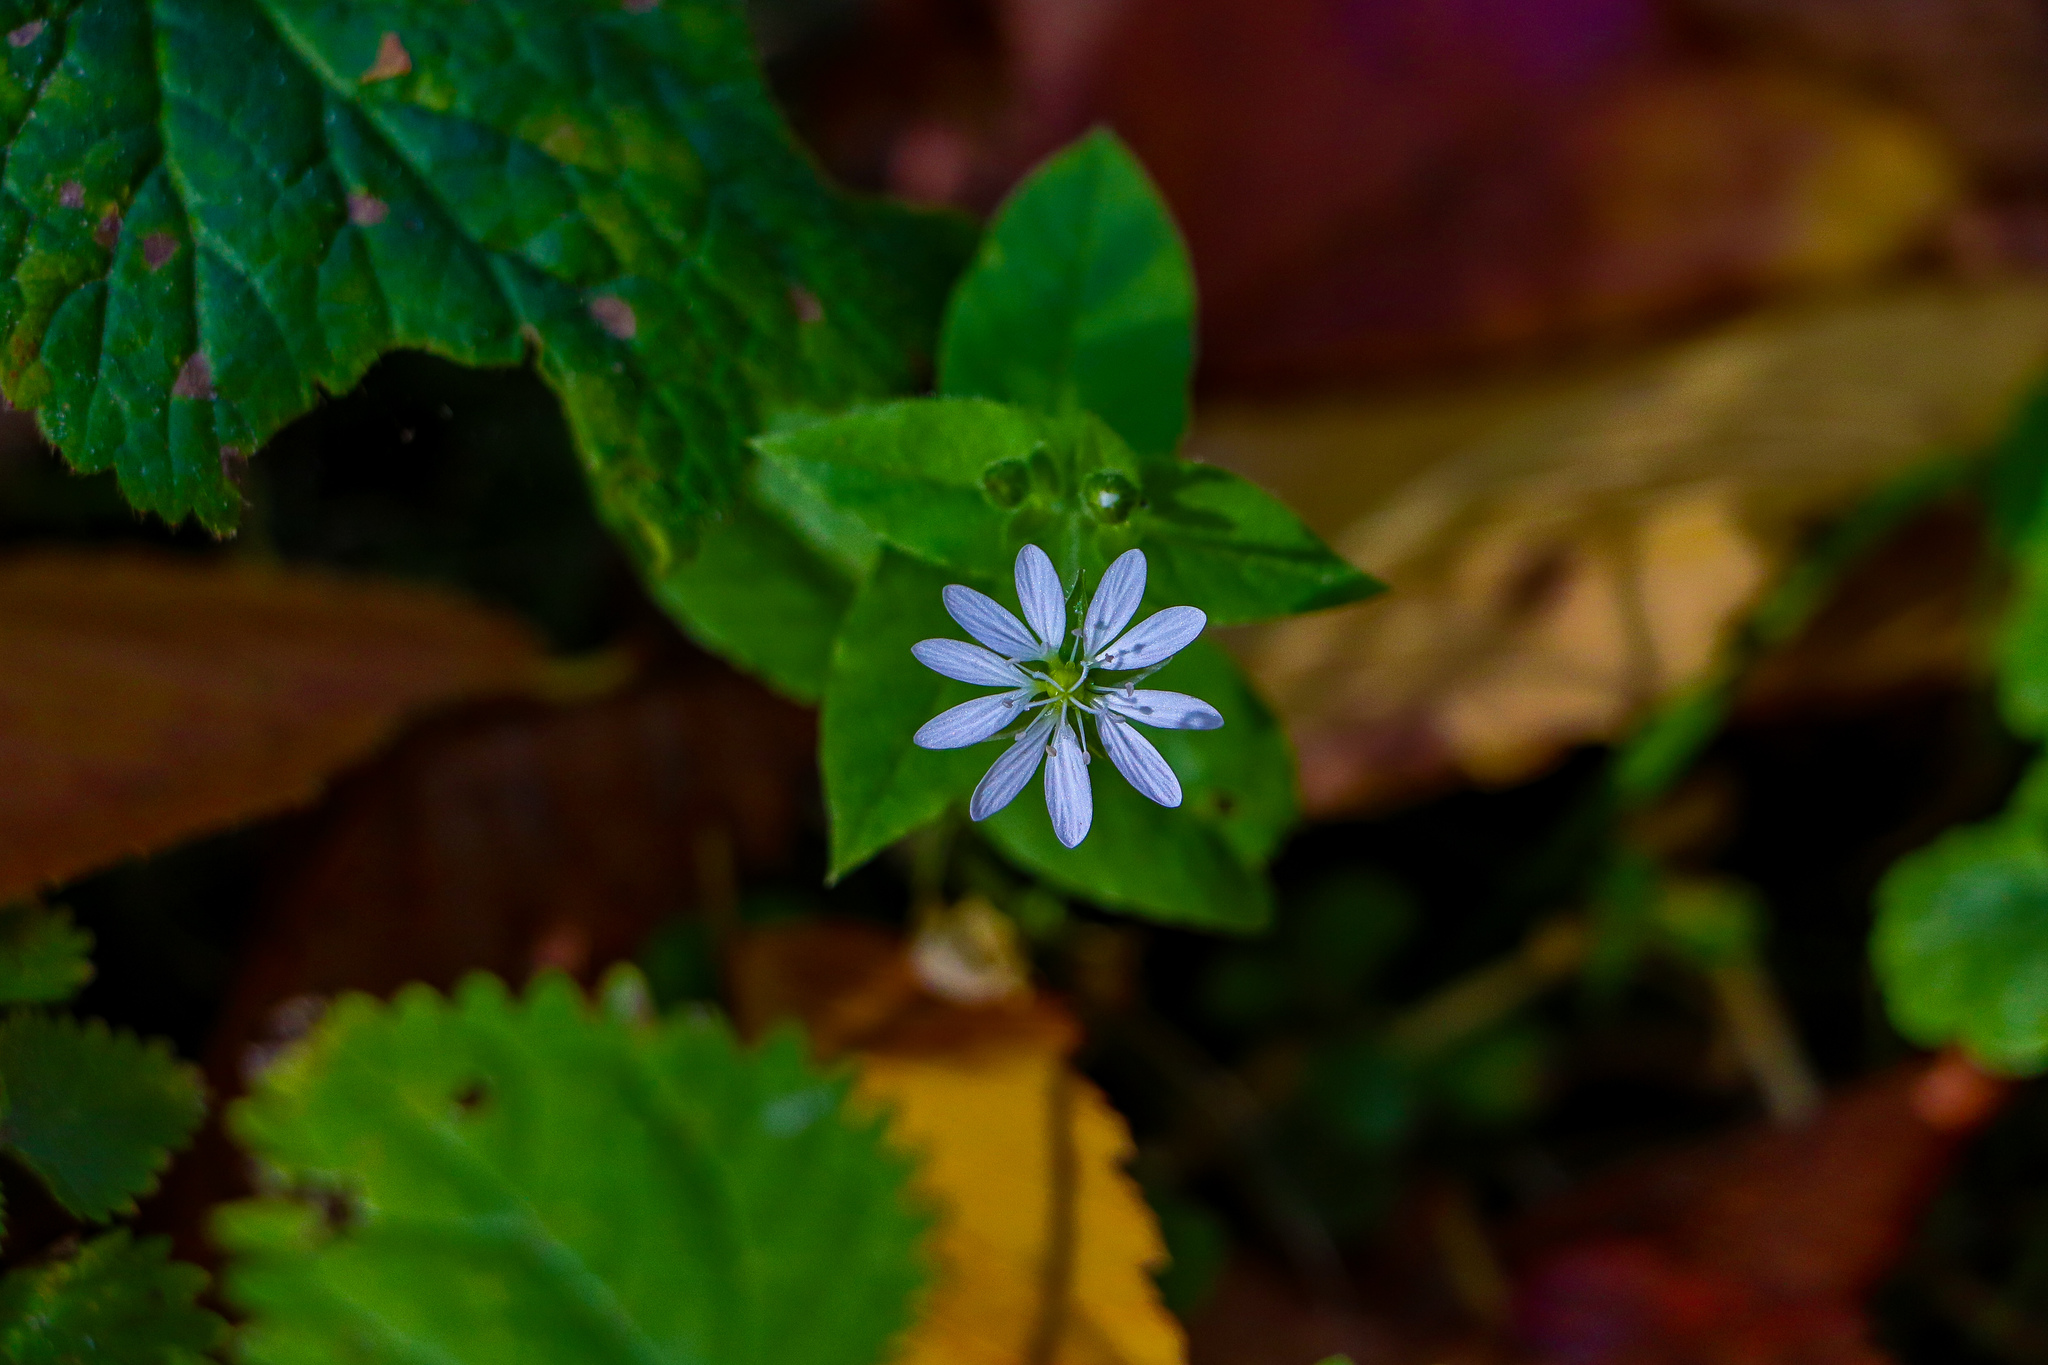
(217, 209)
(452, 1209)
(1080, 299)
(117, 1300)
(94, 1113)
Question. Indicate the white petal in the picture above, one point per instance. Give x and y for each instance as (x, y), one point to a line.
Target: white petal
(1155, 639)
(1007, 775)
(1067, 796)
(971, 722)
(1040, 593)
(1138, 761)
(990, 622)
(1115, 602)
(1163, 710)
(968, 663)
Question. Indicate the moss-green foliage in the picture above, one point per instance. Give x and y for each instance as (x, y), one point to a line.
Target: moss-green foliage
(212, 210)
(118, 1301)
(43, 956)
(490, 1179)
(93, 1112)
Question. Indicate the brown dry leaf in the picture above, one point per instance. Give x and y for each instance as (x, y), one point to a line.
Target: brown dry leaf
(1565, 551)
(1044, 1245)
(147, 699)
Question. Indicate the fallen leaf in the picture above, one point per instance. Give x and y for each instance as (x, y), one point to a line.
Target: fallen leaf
(1565, 552)
(1044, 1245)
(146, 699)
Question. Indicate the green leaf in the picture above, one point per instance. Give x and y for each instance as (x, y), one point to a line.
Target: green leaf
(1080, 299)
(215, 209)
(94, 1113)
(1197, 864)
(449, 1207)
(878, 785)
(2023, 645)
(119, 1301)
(1961, 943)
(965, 482)
(43, 956)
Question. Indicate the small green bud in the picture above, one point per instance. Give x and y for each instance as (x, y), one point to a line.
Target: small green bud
(1007, 482)
(1109, 496)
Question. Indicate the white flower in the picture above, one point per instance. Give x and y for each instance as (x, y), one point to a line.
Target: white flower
(1044, 668)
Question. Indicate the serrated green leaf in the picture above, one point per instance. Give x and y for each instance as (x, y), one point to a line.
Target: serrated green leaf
(94, 1113)
(1198, 864)
(1961, 943)
(118, 1301)
(451, 1208)
(965, 482)
(1080, 299)
(878, 785)
(43, 956)
(215, 209)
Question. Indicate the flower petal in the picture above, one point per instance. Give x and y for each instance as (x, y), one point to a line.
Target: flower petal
(1115, 601)
(968, 663)
(1043, 599)
(1163, 710)
(1007, 775)
(1141, 764)
(990, 622)
(1068, 798)
(971, 722)
(1155, 639)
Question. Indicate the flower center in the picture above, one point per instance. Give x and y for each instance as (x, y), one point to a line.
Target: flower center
(1065, 680)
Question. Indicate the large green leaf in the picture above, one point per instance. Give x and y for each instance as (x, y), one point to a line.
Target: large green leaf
(1080, 300)
(964, 482)
(212, 210)
(118, 1301)
(94, 1113)
(1199, 863)
(43, 956)
(1961, 944)
(485, 1180)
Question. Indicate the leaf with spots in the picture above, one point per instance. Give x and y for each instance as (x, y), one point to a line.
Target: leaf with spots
(213, 210)
(444, 1204)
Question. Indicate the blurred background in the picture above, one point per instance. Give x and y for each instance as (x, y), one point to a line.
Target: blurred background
(1585, 324)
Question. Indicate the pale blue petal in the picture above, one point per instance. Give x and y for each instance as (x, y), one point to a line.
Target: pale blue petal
(971, 722)
(1040, 593)
(1115, 602)
(968, 663)
(1007, 775)
(1155, 639)
(1163, 710)
(1140, 763)
(1067, 796)
(990, 622)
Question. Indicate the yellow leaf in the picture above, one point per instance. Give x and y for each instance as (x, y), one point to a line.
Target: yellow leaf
(1044, 1245)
